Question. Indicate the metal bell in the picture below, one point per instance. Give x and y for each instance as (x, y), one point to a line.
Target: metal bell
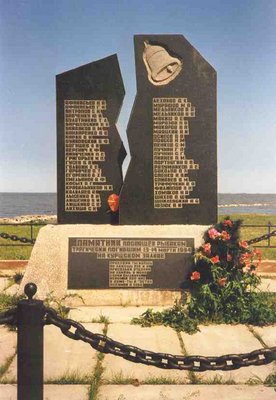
(162, 68)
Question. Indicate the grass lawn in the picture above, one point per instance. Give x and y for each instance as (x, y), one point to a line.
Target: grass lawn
(23, 252)
(17, 252)
(250, 233)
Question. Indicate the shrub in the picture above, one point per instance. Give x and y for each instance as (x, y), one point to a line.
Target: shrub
(224, 285)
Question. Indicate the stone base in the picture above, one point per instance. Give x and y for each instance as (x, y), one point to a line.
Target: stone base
(48, 264)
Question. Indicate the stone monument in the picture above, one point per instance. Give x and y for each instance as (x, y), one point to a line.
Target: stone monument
(172, 136)
(168, 196)
(90, 152)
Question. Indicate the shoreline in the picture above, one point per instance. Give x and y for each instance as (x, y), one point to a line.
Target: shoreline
(25, 219)
(52, 219)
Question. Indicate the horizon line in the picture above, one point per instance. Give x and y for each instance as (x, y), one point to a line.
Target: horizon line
(56, 193)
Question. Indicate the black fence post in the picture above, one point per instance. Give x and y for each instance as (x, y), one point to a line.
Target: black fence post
(31, 231)
(269, 230)
(30, 315)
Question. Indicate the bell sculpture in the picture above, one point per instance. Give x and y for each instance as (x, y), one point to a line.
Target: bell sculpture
(161, 66)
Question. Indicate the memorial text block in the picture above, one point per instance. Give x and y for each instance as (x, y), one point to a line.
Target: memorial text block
(129, 262)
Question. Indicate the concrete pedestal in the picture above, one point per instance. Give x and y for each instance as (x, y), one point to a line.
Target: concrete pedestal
(48, 265)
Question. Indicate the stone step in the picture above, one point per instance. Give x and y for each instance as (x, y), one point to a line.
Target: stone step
(186, 392)
(158, 338)
(267, 334)
(268, 285)
(63, 357)
(112, 313)
(216, 340)
(51, 392)
(8, 343)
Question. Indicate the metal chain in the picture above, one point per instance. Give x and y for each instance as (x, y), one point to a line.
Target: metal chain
(8, 317)
(261, 238)
(74, 330)
(16, 238)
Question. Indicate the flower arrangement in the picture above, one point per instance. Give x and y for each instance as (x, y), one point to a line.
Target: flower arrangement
(224, 258)
(224, 285)
(224, 279)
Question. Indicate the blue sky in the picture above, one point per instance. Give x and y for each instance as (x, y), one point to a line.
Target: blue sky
(39, 39)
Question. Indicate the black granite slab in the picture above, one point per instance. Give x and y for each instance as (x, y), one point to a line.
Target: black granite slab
(142, 201)
(89, 149)
(129, 263)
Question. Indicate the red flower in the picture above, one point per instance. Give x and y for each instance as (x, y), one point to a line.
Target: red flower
(213, 233)
(243, 244)
(229, 257)
(259, 255)
(113, 202)
(207, 248)
(195, 276)
(222, 281)
(215, 260)
(228, 222)
(245, 258)
(225, 235)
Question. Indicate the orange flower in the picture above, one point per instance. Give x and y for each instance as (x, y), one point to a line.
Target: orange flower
(229, 257)
(215, 260)
(225, 236)
(245, 258)
(195, 276)
(259, 255)
(257, 252)
(243, 244)
(207, 248)
(228, 222)
(222, 281)
(113, 202)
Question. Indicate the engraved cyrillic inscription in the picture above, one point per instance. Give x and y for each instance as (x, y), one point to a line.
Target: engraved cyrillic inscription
(127, 262)
(86, 135)
(172, 186)
(129, 273)
(137, 249)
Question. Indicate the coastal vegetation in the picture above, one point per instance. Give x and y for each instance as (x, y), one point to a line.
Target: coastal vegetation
(24, 252)
(224, 285)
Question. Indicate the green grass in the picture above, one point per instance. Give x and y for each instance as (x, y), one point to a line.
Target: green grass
(4, 367)
(8, 301)
(215, 380)
(271, 380)
(101, 319)
(120, 379)
(250, 233)
(97, 377)
(17, 252)
(23, 253)
(71, 378)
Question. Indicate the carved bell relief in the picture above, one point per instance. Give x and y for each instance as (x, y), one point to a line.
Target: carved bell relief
(162, 68)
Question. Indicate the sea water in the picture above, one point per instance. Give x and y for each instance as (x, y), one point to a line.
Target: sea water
(16, 204)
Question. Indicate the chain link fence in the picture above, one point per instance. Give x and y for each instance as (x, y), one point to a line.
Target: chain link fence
(31, 240)
(30, 316)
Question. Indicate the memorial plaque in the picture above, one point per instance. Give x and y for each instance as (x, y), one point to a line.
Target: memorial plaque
(148, 263)
(89, 150)
(172, 176)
